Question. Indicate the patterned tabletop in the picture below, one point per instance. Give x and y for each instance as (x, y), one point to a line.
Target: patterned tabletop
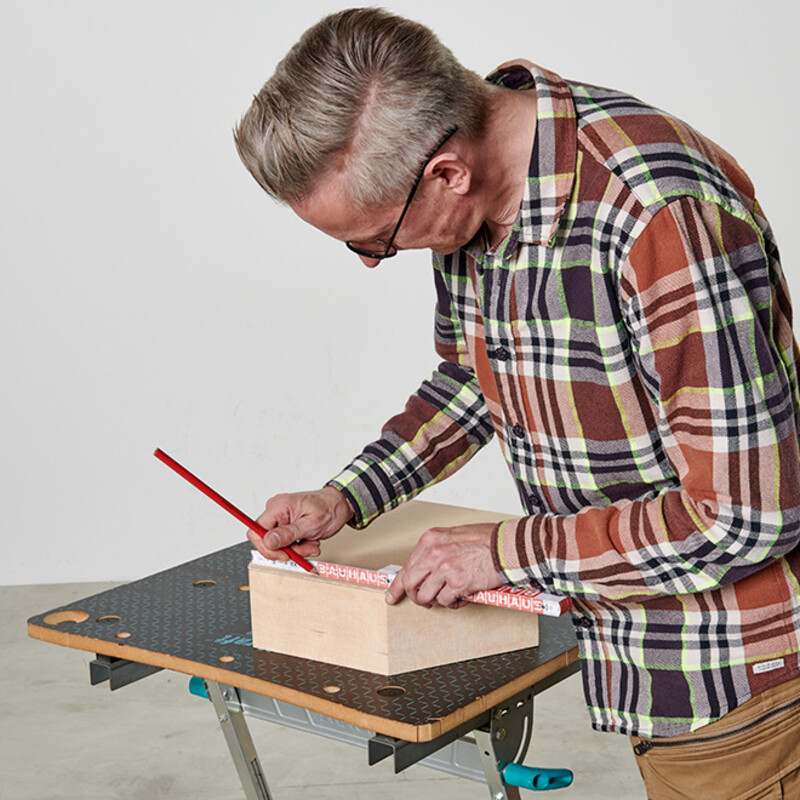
(195, 618)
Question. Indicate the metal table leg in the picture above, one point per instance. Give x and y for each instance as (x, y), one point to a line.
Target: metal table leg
(498, 790)
(237, 735)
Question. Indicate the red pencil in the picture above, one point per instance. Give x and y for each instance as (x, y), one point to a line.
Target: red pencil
(229, 507)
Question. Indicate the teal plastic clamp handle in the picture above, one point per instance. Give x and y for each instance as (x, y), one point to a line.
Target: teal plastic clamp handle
(539, 780)
(197, 687)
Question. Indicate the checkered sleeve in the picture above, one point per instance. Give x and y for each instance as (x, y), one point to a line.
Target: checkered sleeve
(706, 307)
(444, 423)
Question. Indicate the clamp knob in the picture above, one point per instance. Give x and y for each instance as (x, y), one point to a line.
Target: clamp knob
(539, 780)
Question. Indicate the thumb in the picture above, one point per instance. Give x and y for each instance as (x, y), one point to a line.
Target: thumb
(283, 536)
(395, 590)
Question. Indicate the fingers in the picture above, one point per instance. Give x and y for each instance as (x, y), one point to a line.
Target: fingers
(305, 515)
(260, 545)
(422, 585)
(395, 590)
(278, 511)
(447, 565)
(269, 549)
(404, 583)
(430, 591)
(422, 578)
(299, 520)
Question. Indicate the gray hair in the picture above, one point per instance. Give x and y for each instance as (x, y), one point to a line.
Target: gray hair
(363, 91)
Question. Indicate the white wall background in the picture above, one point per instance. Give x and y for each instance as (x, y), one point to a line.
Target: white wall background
(152, 296)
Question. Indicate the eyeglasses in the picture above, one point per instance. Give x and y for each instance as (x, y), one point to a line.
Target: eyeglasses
(379, 249)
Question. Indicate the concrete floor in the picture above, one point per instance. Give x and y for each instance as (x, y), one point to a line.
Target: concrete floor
(61, 738)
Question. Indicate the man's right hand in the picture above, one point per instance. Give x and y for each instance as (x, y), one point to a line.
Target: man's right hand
(300, 520)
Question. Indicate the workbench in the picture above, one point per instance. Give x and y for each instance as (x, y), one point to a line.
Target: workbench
(195, 619)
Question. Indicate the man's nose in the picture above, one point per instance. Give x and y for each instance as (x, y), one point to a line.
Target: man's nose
(371, 263)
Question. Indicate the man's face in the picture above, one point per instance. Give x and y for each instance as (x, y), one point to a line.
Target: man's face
(436, 219)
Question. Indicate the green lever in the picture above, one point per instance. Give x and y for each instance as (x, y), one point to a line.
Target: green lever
(539, 780)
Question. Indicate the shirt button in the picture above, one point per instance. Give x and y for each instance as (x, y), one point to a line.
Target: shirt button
(582, 622)
(501, 354)
(534, 502)
(518, 431)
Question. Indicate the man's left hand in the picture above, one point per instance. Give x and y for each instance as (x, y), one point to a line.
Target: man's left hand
(446, 565)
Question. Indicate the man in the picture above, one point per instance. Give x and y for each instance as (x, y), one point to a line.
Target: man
(611, 305)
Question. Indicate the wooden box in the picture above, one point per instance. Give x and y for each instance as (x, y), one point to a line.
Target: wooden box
(351, 625)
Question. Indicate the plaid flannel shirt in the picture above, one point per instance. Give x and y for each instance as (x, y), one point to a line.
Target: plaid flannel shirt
(630, 344)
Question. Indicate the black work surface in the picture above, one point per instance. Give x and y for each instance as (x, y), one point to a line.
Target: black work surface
(190, 617)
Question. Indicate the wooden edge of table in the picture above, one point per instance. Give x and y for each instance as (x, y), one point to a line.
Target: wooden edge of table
(399, 730)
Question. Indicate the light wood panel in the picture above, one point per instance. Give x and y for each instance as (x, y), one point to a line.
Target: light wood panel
(349, 625)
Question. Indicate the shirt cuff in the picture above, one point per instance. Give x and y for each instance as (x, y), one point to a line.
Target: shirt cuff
(517, 553)
(355, 489)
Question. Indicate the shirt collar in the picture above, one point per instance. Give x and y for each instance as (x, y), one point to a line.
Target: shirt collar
(551, 173)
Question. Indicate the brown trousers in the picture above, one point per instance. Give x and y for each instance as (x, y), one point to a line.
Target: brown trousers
(752, 753)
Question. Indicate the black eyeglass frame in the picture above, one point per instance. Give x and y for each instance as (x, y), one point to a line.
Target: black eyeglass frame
(390, 250)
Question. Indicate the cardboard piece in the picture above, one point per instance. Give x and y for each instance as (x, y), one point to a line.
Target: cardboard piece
(351, 625)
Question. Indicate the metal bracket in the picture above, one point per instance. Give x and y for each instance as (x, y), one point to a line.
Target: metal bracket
(504, 740)
(514, 718)
(407, 753)
(237, 736)
(118, 672)
(511, 727)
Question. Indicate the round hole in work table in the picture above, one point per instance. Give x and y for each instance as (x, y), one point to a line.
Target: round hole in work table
(106, 618)
(331, 689)
(123, 635)
(72, 615)
(206, 583)
(244, 588)
(225, 659)
(391, 691)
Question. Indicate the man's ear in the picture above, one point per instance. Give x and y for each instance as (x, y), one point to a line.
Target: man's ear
(453, 170)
